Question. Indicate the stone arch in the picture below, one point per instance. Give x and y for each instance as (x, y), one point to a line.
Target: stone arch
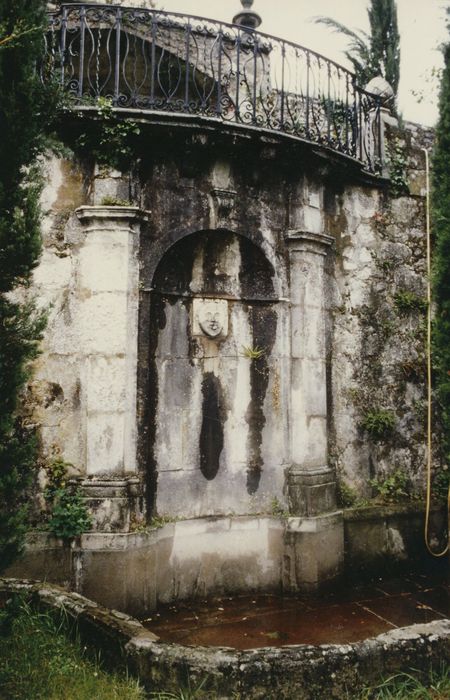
(156, 251)
(213, 417)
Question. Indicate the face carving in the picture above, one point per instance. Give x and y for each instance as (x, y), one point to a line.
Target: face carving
(210, 323)
(210, 317)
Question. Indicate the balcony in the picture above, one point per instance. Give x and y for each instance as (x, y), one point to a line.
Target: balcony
(155, 63)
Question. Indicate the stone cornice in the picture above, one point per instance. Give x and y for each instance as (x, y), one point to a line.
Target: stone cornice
(111, 213)
(309, 241)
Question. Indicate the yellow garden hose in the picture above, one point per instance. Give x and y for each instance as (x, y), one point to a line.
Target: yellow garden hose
(429, 392)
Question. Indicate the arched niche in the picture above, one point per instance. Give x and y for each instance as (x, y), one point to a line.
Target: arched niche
(217, 374)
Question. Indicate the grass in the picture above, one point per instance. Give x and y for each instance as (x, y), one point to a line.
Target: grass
(412, 686)
(38, 661)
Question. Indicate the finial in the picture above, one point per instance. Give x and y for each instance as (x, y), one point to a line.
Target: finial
(247, 19)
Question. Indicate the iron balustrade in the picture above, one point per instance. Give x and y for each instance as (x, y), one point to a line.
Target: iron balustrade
(163, 62)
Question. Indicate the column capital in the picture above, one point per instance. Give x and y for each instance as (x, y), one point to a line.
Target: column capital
(105, 214)
(307, 241)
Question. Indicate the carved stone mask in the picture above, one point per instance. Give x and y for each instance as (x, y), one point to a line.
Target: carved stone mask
(210, 317)
(210, 323)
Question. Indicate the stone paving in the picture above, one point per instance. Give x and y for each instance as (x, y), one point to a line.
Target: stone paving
(348, 615)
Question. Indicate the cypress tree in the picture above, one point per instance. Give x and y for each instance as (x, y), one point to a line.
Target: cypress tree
(385, 41)
(441, 256)
(25, 109)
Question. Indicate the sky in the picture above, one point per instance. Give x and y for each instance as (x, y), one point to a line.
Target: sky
(421, 25)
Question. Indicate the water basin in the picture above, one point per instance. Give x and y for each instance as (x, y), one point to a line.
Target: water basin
(344, 616)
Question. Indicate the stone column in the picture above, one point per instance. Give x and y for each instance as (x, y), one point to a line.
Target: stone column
(309, 479)
(314, 535)
(108, 282)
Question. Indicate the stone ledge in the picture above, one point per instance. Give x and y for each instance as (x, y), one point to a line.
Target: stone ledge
(377, 512)
(109, 211)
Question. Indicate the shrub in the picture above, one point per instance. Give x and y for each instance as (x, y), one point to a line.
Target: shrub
(393, 488)
(405, 302)
(378, 423)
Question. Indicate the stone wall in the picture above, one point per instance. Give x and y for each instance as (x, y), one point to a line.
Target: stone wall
(377, 340)
(227, 321)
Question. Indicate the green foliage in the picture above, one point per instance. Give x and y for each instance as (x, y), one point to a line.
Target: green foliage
(348, 498)
(68, 515)
(252, 353)
(396, 159)
(109, 140)
(441, 256)
(379, 423)
(189, 692)
(441, 484)
(26, 113)
(393, 488)
(385, 41)
(115, 202)
(277, 509)
(39, 659)
(56, 474)
(376, 53)
(159, 521)
(406, 302)
(415, 685)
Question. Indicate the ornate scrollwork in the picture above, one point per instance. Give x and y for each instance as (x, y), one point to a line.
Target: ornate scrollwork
(179, 64)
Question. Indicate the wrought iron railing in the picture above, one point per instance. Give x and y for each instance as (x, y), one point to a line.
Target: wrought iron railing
(171, 63)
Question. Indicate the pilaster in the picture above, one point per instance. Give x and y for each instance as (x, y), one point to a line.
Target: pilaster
(314, 535)
(108, 278)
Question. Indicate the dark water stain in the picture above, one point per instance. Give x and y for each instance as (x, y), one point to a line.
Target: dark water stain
(217, 279)
(157, 322)
(174, 272)
(256, 273)
(263, 322)
(211, 434)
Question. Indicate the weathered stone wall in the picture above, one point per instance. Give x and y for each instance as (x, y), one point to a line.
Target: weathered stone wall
(226, 324)
(377, 339)
(84, 384)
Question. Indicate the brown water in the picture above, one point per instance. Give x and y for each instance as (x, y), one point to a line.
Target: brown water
(348, 615)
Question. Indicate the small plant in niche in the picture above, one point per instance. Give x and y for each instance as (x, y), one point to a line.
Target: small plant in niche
(253, 353)
(406, 302)
(347, 497)
(68, 516)
(379, 423)
(277, 509)
(159, 521)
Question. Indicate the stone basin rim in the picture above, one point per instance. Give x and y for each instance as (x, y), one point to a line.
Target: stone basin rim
(130, 628)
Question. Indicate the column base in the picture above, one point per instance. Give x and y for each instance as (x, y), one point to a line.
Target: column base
(114, 504)
(314, 552)
(311, 492)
